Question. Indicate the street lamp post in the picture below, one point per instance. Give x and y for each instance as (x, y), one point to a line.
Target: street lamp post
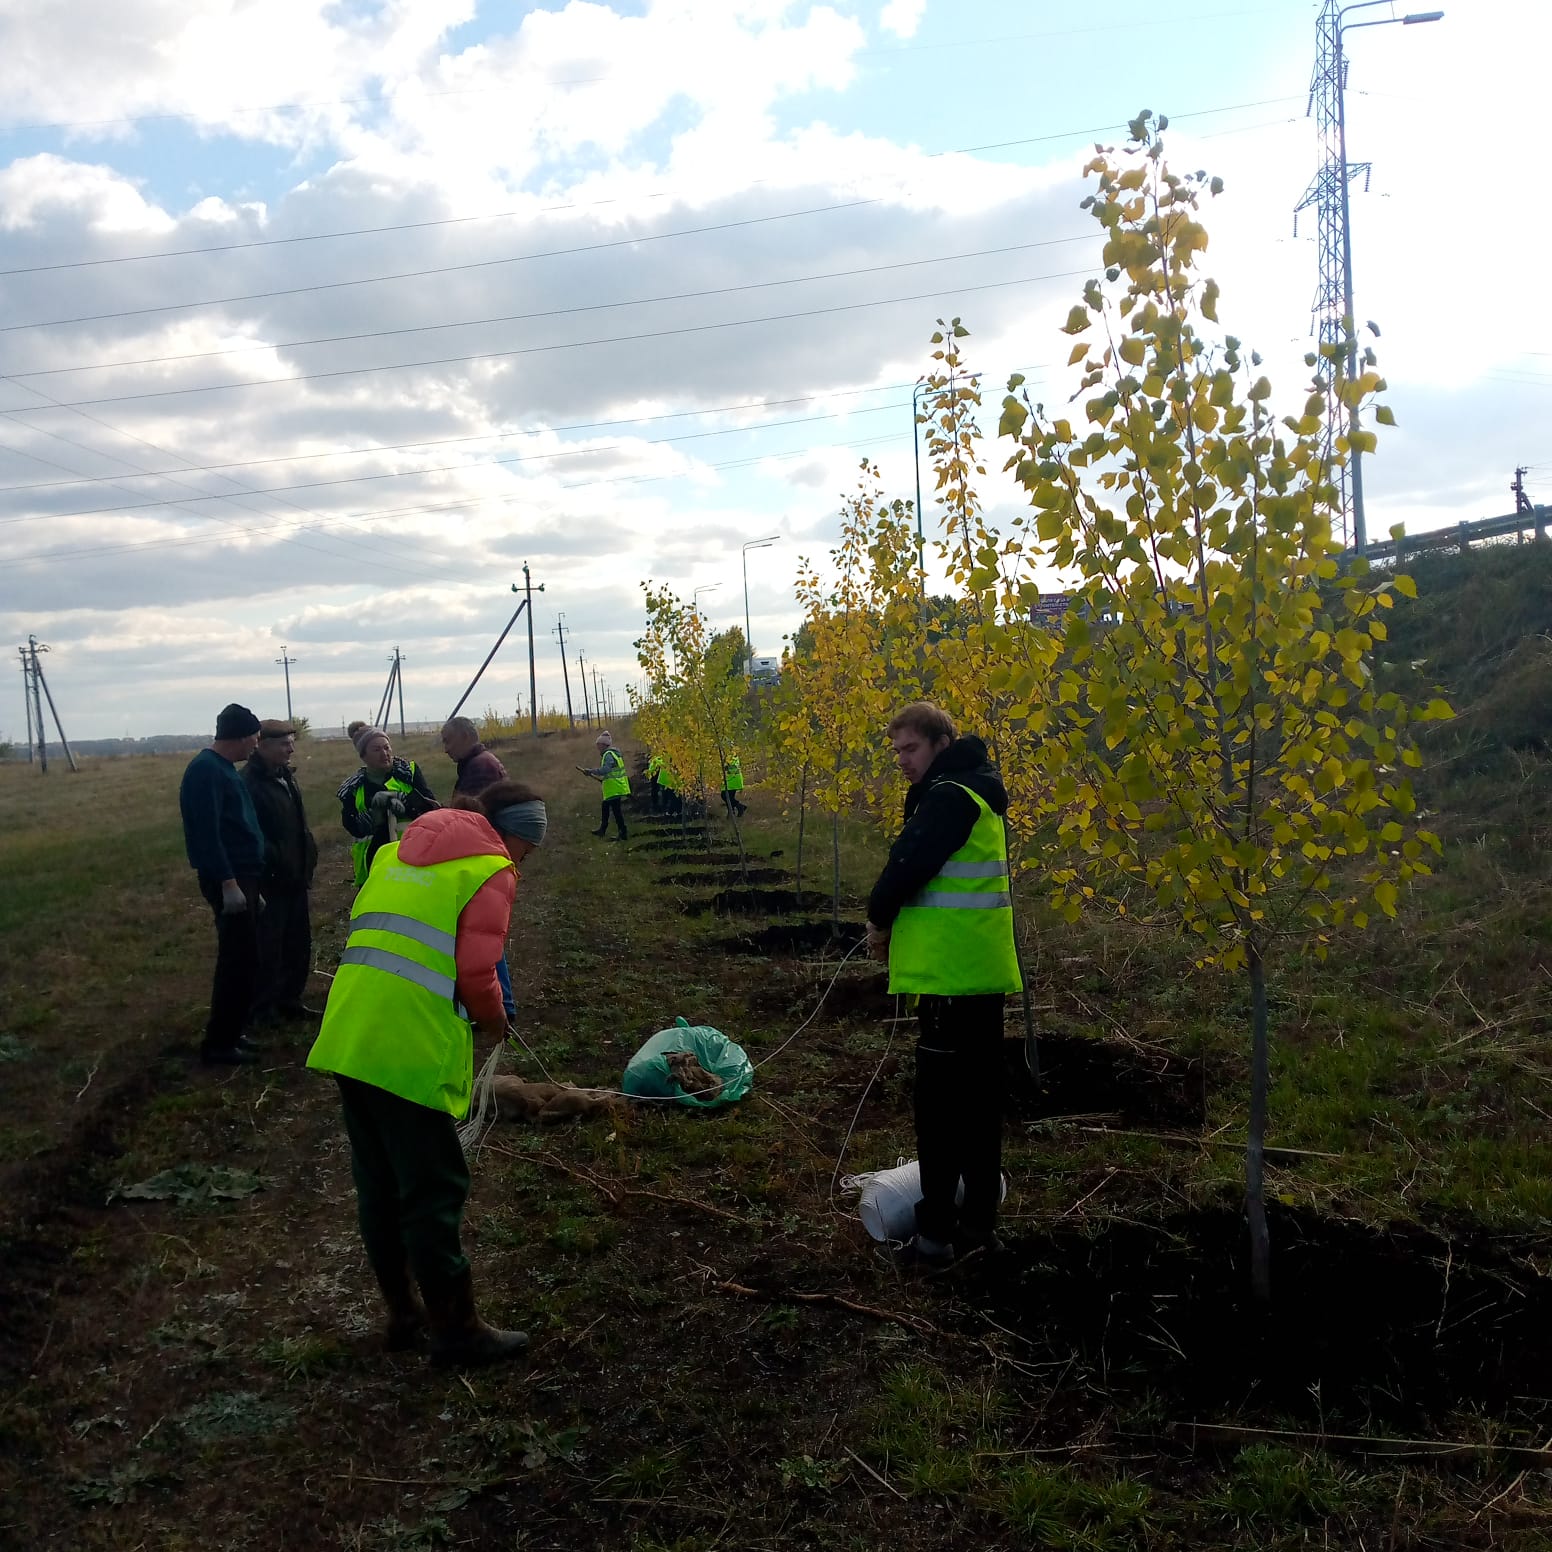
(1355, 453)
(695, 594)
(753, 544)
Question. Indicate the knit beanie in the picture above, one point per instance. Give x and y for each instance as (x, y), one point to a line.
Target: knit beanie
(234, 721)
(365, 735)
(526, 820)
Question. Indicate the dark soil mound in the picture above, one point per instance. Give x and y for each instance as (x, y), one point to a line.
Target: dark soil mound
(710, 859)
(789, 939)
(727, 876)
(1367, 1328)
(1081, 1076)
(671, 840)
(770, 902)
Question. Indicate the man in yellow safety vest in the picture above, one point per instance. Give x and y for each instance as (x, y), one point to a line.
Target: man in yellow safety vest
(942, 914)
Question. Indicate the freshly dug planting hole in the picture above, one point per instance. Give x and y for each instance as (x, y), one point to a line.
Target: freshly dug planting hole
(772, 902)
(713, 859)
(1368, 1329)
(786, 939)
(673, 840)
(860, 997)
(1081, 1076)
(727, 876)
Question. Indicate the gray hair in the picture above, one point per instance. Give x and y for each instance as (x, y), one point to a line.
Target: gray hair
(461, 725)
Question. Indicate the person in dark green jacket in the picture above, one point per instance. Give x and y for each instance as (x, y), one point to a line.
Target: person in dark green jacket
(290, 856)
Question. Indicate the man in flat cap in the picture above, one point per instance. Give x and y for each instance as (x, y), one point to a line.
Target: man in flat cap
(226, 850)
(290, 855)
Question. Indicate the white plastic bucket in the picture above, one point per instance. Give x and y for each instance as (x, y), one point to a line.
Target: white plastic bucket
(887, 1205)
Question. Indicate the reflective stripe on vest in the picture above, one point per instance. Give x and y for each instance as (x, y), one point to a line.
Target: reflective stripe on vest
(954, 938)
(396, 964)
(406, 927)
(392, 1019)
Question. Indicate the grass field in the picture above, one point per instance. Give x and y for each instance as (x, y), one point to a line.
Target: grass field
(721, 1357)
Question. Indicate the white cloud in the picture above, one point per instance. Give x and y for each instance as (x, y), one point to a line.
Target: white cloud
(902, 17)
(391, 503)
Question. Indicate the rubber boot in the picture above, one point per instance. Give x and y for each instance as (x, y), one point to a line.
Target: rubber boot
(459, 1338)
(407, 1323)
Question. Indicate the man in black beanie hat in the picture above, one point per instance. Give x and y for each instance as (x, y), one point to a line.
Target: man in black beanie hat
(226, 850)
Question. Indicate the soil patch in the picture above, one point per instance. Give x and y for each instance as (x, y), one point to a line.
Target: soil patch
(675, 840)
(727, 876)
(789, 939)
(1396, 1329)
(712, 859)
(768, 902)
(1082, 1076)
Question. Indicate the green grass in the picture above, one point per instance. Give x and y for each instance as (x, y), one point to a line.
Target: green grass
(1413, 1055)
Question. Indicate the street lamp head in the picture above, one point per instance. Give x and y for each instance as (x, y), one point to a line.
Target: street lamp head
(1418, 17)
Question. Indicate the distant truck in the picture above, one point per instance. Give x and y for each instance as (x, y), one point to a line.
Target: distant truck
(764, 670)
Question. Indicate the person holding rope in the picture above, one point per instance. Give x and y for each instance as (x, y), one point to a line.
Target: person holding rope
(384, 788)
(942, 916)
(418, 969)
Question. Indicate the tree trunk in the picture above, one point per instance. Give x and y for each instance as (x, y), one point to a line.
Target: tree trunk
(1255, 1148)
(802, 815)
(835, 862)
(738, 835)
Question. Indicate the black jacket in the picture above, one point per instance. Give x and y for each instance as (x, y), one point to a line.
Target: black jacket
(939, 817)
(290, 853)
(375, 826)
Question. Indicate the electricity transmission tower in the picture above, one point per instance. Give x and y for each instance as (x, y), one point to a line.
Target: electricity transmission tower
(1335, 320)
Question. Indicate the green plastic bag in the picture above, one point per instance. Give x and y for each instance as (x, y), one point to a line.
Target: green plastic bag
(647, 1074)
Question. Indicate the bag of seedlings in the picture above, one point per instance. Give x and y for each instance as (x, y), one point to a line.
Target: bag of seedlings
(691, 1063)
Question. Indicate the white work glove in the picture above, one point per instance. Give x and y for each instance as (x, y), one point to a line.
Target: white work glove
(233, 901)
(381, 803)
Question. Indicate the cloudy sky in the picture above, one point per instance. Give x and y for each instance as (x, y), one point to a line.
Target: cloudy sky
(318, 320)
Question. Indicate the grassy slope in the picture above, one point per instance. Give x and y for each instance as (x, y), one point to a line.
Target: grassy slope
(202, 1375)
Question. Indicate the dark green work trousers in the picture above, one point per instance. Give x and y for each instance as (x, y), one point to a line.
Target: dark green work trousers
(411, 1182)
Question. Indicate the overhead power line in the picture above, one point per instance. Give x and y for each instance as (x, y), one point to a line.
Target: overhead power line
(44, 557)
(236, 500)
(441, 269)
(557, 312)
(483, 436)
(534, 350)
(505, 215)
(586, 451)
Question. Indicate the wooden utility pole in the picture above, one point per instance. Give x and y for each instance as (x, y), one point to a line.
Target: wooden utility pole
(560, 631)
(40, 683)
(286, 660)
(533, 681)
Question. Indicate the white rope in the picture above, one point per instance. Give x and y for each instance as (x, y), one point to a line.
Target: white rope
(857, 1113)
(482, 1107)
(817, 1006)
